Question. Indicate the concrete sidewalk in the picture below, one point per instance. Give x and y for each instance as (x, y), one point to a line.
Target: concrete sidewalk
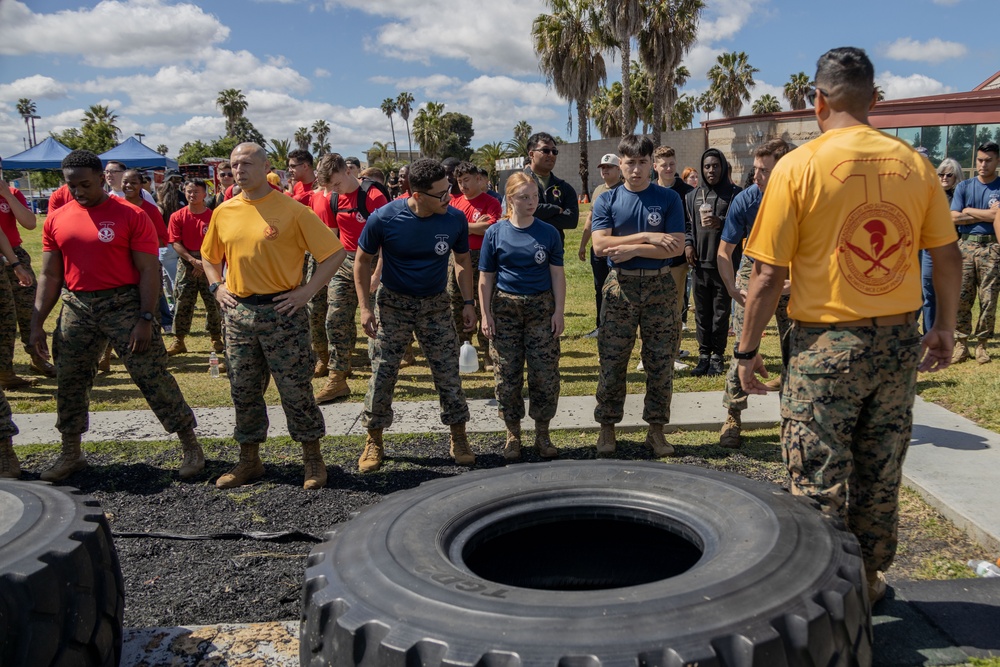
(953, 463)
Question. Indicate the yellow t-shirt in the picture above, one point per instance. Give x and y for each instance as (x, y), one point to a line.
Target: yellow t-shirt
(264, 241)
(847, 213)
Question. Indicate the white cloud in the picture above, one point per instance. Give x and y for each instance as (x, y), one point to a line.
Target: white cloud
(152, 33)
(914, 85)
(34, 87)
(932, 51)
(723, 19)
(321, 73)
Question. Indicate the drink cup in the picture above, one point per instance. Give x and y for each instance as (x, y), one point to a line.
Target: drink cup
(706, 214)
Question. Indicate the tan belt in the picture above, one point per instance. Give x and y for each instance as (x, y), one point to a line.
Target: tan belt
(886, 321)
(643, 273)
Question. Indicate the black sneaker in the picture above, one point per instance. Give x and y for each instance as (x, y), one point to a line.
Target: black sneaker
(702, 367)
(715, 366)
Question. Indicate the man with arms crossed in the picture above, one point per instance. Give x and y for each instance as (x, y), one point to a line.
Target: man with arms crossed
(845, 215)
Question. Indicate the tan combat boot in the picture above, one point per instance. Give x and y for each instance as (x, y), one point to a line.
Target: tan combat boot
(11, 380)
(371, 458)
(876, 587)
(729, 436)
(542, 441)
(322, 368)
(460, 450)
(70, 460)
(408, 358)
(248, 469)
(982, 356)
(335, 387)
(177, 347)
(606, 440)
(218, 345)
(104, 365)
(42, 365)
(656, 443)
(193, 459)
(10, 467)
(512, 448)
(312, 461)
(961, 352)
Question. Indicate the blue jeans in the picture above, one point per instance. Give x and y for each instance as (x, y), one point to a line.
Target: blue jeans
(927, 282)
(168, 260)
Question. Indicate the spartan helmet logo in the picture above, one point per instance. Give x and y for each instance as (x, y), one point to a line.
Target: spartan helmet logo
(107, 232)
(540, 255)
(4, 206)
(655, 217)
(441, 247)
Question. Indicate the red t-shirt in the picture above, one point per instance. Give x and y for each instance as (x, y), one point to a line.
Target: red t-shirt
(156, 218)
(320, 203)
(8, 223)
(189, 228)
(349, 221)
(403, 195)
(97, 243)
(60, 197)
(303, 193)
(481, 205)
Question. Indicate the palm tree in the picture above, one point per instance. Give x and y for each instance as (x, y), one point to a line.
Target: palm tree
(766, 104)
(664, 39)
(732, 78)
(642, 95)
(881, 93)
(26, 108)
(303, 138)
(233, 103)
(486, 156)
(795, 90)
(569, 52)
(99, 129)
(605, 109)
(622, 20)
(322, 130)
(429, 129)
(404, 105)
(388, 108)
(162, 149)
(682, 115)
(707, 102)
(278, 153)
(522, 131)
(379, 152)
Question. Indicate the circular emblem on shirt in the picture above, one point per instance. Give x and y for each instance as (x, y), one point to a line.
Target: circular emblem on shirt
(994, 200)
(654, 218)
(270, 231)
(4, 207)
(541, 256)
(873, 248)
(441, 247)
(106, 233)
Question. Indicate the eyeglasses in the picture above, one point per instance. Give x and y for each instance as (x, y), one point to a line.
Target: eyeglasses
(548, 151)
(443, 197)
(295, 165)
(811, 95)
(114, 171)
(226, 174)
(945, 174)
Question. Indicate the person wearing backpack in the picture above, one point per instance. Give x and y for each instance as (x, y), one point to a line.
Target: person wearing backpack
(348, 205)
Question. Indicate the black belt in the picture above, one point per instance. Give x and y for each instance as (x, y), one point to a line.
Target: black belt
(643, 273)
(105, 292)
(259, 299)
(978, 238)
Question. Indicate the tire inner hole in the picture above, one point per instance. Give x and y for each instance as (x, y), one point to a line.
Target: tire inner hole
(582, 551)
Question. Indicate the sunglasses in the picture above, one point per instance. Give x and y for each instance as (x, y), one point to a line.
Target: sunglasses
(548, 151)
(443, 197)
(811, 95)
(945, 174)
(226, 174)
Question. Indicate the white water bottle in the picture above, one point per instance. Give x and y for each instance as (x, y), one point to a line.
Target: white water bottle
(213, 364)
(468, 359)
(984, 568)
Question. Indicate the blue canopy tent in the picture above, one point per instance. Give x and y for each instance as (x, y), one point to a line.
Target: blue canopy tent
(136, 155)
(45, 155)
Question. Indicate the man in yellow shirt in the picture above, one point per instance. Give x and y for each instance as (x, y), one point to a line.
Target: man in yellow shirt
(845, 215)
(262, 237)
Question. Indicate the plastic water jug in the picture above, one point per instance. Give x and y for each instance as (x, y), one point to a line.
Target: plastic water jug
(468, 358)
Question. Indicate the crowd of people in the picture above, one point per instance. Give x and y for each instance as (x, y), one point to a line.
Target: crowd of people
(825, 237)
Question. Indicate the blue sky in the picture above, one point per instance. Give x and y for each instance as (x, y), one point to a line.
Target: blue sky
(159, 64)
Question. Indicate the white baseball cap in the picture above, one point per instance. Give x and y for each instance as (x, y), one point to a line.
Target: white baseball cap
(611, 159)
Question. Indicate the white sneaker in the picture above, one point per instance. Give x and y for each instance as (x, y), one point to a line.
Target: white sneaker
(592, 334)
(680, 365)
(684, 326)
(639, 367)
(684, 353)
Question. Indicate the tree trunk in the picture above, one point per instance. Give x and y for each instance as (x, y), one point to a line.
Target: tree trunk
(395, 148)
(626, 48)
(409, 142)
(582, 127)
(657, 110)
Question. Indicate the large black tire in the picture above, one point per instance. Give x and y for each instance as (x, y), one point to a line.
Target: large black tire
(587, 564)
(61, 590)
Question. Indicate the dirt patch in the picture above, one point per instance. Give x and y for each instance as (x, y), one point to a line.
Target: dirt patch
(174, 582)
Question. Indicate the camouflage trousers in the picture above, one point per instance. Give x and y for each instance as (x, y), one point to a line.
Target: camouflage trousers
(8, 428)
(458, 303)
(16, 303)
(399, 317)
(637, 303)
(317, 307)
(846, 418)
(523, 325)
(342, 306)
(85, 324)
(734, 397)
(261, 342)
(980, 275)
(186, 290)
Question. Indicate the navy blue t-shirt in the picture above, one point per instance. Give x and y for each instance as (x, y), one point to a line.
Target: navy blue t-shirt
(520, 258)
(741, 214)
(655, 209)
(973, 193)
(414, 250)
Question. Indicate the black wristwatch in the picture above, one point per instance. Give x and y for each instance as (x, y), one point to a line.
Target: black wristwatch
(148, 316)
(213, 287)
(469, 302)
(744, 355)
